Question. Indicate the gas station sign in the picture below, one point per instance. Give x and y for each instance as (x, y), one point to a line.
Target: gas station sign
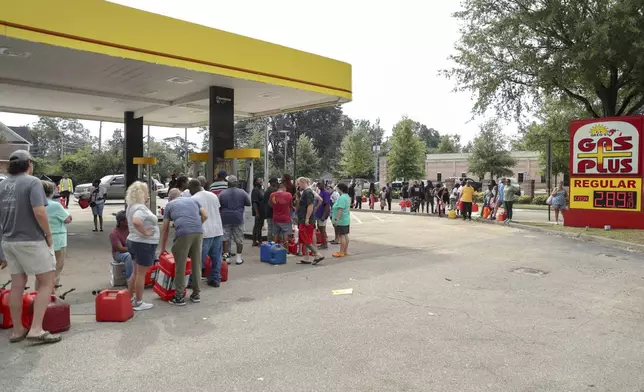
(606, 173)
(610, 194)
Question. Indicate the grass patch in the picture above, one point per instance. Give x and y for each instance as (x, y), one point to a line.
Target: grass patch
(627, 235)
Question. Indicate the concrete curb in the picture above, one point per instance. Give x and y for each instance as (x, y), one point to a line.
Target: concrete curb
(621, 245)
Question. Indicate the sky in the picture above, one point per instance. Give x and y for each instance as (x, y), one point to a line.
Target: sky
(396, 50)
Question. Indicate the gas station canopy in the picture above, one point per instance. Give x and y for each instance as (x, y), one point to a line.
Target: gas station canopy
(96, 60)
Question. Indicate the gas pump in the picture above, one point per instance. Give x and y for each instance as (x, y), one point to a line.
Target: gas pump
(146, 163)
(247, 153)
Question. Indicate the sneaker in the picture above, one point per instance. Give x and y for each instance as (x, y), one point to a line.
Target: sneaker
(212, 283)
(142, 306)
(178, 301)
(194, 297)
(239, 262)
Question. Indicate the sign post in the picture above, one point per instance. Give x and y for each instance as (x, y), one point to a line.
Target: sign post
(606, 173)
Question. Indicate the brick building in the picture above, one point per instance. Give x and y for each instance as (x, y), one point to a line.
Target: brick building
(13, 138)
(440, 167)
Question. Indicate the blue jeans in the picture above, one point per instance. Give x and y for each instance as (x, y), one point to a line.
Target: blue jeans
(212, 247)
(125, 258)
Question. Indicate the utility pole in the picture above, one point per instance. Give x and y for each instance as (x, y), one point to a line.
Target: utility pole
(148, 153)
(549, 171)
(266, 176)
(100, 135)
(185, 143)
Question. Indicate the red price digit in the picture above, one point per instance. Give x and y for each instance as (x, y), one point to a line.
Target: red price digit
(599, 199)
(610, 200)
(621, 200)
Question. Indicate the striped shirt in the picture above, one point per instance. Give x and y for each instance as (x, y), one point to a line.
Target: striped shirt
(218, 186)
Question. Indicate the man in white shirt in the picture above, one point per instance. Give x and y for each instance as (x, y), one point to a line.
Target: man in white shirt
(213, 231)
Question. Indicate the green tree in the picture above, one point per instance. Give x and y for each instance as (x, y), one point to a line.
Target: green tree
(357, 158)
(406, 158)
(55, 137)
(308, 159)
(449, 144)
(553, 121)
(429, 136)
(116, 144)
(490, 154)
(468, 147)
(512, 54)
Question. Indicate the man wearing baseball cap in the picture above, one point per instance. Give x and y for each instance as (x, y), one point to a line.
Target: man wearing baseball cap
(220, 184)
(27, 244)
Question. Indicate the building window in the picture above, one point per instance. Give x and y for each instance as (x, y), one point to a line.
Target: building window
(463, 175)
(439, 177)
(543, 179)
(520, 180)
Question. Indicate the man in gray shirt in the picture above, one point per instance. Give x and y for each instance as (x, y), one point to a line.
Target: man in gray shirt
(188, 217)
(27, 244)
(233, 203)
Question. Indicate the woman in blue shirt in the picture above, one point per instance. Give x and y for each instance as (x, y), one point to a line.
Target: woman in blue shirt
(342, 219)
(58, 218)
(559, 200)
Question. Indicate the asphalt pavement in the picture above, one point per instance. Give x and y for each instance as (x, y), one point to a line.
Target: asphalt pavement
(436, 305)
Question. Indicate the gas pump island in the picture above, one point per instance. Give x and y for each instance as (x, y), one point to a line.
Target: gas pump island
(606, 173)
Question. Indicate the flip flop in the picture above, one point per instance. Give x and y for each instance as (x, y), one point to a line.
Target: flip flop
(304, 262)
(316, 261)
(338, 254)
(20, 338)
(45, 338)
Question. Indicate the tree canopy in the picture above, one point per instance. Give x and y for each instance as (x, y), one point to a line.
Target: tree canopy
(449, 144)
(514, 53)
(553, 120)
(489, 153)
(308, 158)
(357, 156)
(406, 158)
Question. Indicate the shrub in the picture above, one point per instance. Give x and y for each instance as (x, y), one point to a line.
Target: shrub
(395, 194)
(524, 199)
(540, 200)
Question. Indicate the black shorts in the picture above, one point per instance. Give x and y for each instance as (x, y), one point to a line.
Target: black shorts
(341, 230)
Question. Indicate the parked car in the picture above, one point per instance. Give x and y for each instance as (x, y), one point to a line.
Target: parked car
(477, 185)
(113, 186)
(3, 177)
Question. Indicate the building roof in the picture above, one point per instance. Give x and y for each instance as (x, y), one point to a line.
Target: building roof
(463, 156)
(13, 137)
(23, 132)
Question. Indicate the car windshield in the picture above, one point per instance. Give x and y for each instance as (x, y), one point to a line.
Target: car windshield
(106, 179)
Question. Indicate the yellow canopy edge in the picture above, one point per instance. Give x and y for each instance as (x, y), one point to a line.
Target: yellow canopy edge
(102, 27)
(144, 161)
(246, 153)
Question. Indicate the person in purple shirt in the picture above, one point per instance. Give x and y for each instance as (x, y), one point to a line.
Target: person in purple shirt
(322, 214)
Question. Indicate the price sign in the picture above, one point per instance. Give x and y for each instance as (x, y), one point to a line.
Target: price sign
(621, 194)
(615, 199)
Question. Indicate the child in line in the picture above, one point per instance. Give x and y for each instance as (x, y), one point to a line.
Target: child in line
(383, 198)
(58, 219)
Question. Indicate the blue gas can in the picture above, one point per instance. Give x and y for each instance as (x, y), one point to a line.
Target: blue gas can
(278, 254)
(265, 252)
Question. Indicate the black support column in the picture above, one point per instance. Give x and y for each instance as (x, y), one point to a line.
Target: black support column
(133, 144)
(221, 122)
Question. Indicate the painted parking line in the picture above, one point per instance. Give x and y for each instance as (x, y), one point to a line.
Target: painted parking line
(356, 218)
(377, 217)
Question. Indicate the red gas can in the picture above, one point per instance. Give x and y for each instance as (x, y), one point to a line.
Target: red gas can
(57, 316)
(208, 269)
(292, 247)
(114, 306)
(164, 285)
(224, 271)
(151, 274)
(5, 310)
(318, 237)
